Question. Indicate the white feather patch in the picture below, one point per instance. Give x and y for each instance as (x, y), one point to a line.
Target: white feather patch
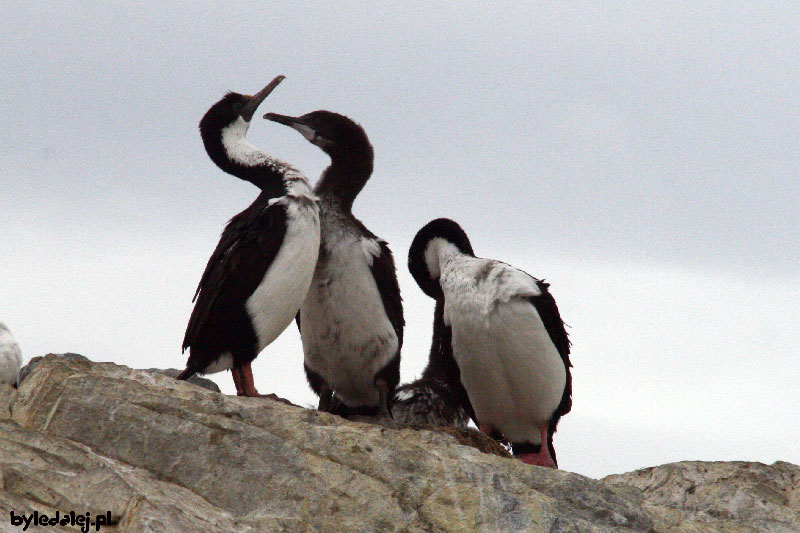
(223, 362)
(240, 151)
(305, 131)
(236, 145)
(10, 357)
(435, 252)
(512, 372)
(371, 249)
(403, 395)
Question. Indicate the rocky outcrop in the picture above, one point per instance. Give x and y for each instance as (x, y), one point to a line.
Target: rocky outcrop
(721, 496)
(163, 455)
(171, 372)
(26, 370)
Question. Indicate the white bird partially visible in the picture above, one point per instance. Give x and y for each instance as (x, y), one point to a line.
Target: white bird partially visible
(10, 357)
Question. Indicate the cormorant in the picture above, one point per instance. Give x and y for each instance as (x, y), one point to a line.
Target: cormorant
(261, 269)
(351, 321)
(508, 339)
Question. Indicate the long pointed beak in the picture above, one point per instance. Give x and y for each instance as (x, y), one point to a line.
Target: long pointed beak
(249, 109)
(283, 119)
(293, 122)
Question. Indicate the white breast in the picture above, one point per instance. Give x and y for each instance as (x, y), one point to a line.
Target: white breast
(512, 372)
(347, 336)
(277, 298)
(10, 357)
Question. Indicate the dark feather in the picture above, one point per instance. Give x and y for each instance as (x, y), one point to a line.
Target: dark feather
(219, 321)
(442, 366)
(546, 306)
(385, 275)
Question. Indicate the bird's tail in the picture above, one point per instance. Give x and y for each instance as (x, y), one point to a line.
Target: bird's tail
(186, 374)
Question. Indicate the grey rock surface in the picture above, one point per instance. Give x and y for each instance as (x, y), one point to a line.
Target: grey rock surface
(163, 455)
(719, 496)
(194, 380)
(26, 370)
(171, 372)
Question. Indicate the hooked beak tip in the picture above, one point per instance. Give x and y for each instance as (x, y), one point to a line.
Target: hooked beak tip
(249, 110)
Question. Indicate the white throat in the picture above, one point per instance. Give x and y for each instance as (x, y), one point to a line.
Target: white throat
(238, 149)
(436, 252)
(305, 131)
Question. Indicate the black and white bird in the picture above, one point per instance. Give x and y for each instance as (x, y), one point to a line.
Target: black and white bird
(437, 398)
(262, 267)
(10, 357)
(351, 321)
(508, 339)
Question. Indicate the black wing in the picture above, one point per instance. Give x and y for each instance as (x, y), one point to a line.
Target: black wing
(385, 275)
(442, 366)
(248, 245)
(546, 306)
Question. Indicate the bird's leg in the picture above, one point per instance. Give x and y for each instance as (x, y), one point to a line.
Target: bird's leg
(243, 379)
(248, 387)
(383, 393)
(325, 396)
(384, 415)
(236, 372)
(542, 458)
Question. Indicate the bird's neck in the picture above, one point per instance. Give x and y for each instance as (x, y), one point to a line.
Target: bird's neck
(345, 178)
(231, 151)
(441, 364)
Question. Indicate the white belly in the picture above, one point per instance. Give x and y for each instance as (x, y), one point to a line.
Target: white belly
(277, 298)
(347, 336)
(512, 372)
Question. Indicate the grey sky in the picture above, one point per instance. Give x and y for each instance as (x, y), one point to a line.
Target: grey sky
(643, 158)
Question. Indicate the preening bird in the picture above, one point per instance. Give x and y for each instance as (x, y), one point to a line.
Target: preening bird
(508, 339)
(262, 267)
(351, 321)
(10, 357)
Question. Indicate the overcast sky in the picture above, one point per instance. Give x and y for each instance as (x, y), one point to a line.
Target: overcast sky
(642, 157)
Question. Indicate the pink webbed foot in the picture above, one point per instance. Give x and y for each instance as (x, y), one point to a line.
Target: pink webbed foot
(243, 379)
(538, 459)
(543, 458)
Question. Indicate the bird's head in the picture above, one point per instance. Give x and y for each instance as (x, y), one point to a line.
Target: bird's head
(235, 110)
(337, 135)
(424, 257)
